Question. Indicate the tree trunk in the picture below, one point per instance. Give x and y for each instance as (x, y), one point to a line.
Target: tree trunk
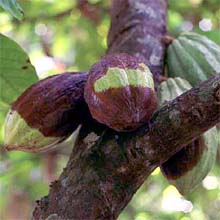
(106, 168)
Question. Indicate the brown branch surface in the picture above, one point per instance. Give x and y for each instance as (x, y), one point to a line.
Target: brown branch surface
(101, 178)
(138, 28)
(106, 168)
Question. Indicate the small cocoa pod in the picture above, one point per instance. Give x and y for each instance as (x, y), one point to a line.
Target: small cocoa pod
(120, 92)
(47, 113)
(188, 167)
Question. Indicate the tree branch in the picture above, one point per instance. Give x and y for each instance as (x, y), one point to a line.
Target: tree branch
(101, 179)
(106, 168)
(138, 28)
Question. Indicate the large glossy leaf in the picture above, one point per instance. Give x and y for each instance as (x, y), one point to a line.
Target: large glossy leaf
(12, 7)
(16, 72)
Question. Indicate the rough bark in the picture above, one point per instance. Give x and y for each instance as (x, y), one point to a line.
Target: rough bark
(101, 177)
(106, 168)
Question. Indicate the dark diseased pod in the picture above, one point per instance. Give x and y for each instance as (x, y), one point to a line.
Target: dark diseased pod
(47, 113)
(188, 167)
(184, 160)
(120, 92)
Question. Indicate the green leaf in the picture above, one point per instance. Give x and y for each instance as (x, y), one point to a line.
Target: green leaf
(16, 72)
(12, 7)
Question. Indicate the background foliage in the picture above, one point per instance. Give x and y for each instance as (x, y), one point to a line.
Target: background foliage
(68, 35)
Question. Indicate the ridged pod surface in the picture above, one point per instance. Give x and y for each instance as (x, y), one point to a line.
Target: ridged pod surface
(172, 88)
(189, 166)
(193, 57)
(46, 113)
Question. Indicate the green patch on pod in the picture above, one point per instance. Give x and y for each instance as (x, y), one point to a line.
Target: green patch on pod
(193, 57)
(188, 167)
(117, 77)
(20, 136)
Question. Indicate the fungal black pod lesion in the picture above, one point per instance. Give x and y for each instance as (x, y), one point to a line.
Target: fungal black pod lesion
(47, 113)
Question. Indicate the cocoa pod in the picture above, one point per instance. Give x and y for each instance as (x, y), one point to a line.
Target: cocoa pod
(120, 92)
(189, 166)
(193, 57)
(47, 113)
